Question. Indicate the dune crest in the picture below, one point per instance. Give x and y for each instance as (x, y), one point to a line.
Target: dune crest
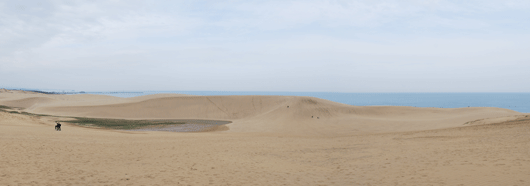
(290, 115)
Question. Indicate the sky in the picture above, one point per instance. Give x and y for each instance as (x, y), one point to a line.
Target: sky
(266, 45)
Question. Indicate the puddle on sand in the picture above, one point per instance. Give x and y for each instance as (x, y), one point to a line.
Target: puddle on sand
(189, 126)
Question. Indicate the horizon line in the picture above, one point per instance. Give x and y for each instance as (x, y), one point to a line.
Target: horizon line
(173, 91)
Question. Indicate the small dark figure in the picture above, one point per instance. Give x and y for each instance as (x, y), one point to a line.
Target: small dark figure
(287, 106)
(318, 117)
(311, 116)
(58, 126)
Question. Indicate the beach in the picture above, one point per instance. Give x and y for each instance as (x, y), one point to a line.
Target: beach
(271, 140)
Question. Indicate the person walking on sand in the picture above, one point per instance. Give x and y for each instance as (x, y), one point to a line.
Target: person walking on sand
(58, 126)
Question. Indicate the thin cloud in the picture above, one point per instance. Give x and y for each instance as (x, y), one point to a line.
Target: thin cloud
(235, 45)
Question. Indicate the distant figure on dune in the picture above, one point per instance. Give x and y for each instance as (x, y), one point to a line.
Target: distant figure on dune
(58, 126)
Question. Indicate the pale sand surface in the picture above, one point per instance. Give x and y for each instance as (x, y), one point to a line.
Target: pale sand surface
(267, 143)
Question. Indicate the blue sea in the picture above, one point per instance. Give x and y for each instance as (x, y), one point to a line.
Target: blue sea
(515, 101)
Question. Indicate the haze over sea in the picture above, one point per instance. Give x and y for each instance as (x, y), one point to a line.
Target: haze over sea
(515, 101)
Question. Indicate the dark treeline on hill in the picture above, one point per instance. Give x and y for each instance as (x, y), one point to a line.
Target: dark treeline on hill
(44, 92)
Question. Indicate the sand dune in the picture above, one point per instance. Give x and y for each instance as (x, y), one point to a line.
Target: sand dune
(28, 102)
(277, 114)
(267, 143)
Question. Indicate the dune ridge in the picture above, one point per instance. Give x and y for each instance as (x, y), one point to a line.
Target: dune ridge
(278, 114)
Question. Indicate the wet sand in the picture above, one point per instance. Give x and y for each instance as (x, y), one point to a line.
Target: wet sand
(188, 127)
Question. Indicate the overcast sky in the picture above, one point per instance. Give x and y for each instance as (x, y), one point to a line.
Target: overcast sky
(317, 46)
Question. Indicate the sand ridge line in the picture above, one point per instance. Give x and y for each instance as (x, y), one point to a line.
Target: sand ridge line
(305, 115)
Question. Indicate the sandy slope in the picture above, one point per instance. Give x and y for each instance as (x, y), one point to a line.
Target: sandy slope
(268, 143)
(275, 114)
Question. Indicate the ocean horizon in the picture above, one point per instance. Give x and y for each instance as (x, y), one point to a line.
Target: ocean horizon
(514, 101)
